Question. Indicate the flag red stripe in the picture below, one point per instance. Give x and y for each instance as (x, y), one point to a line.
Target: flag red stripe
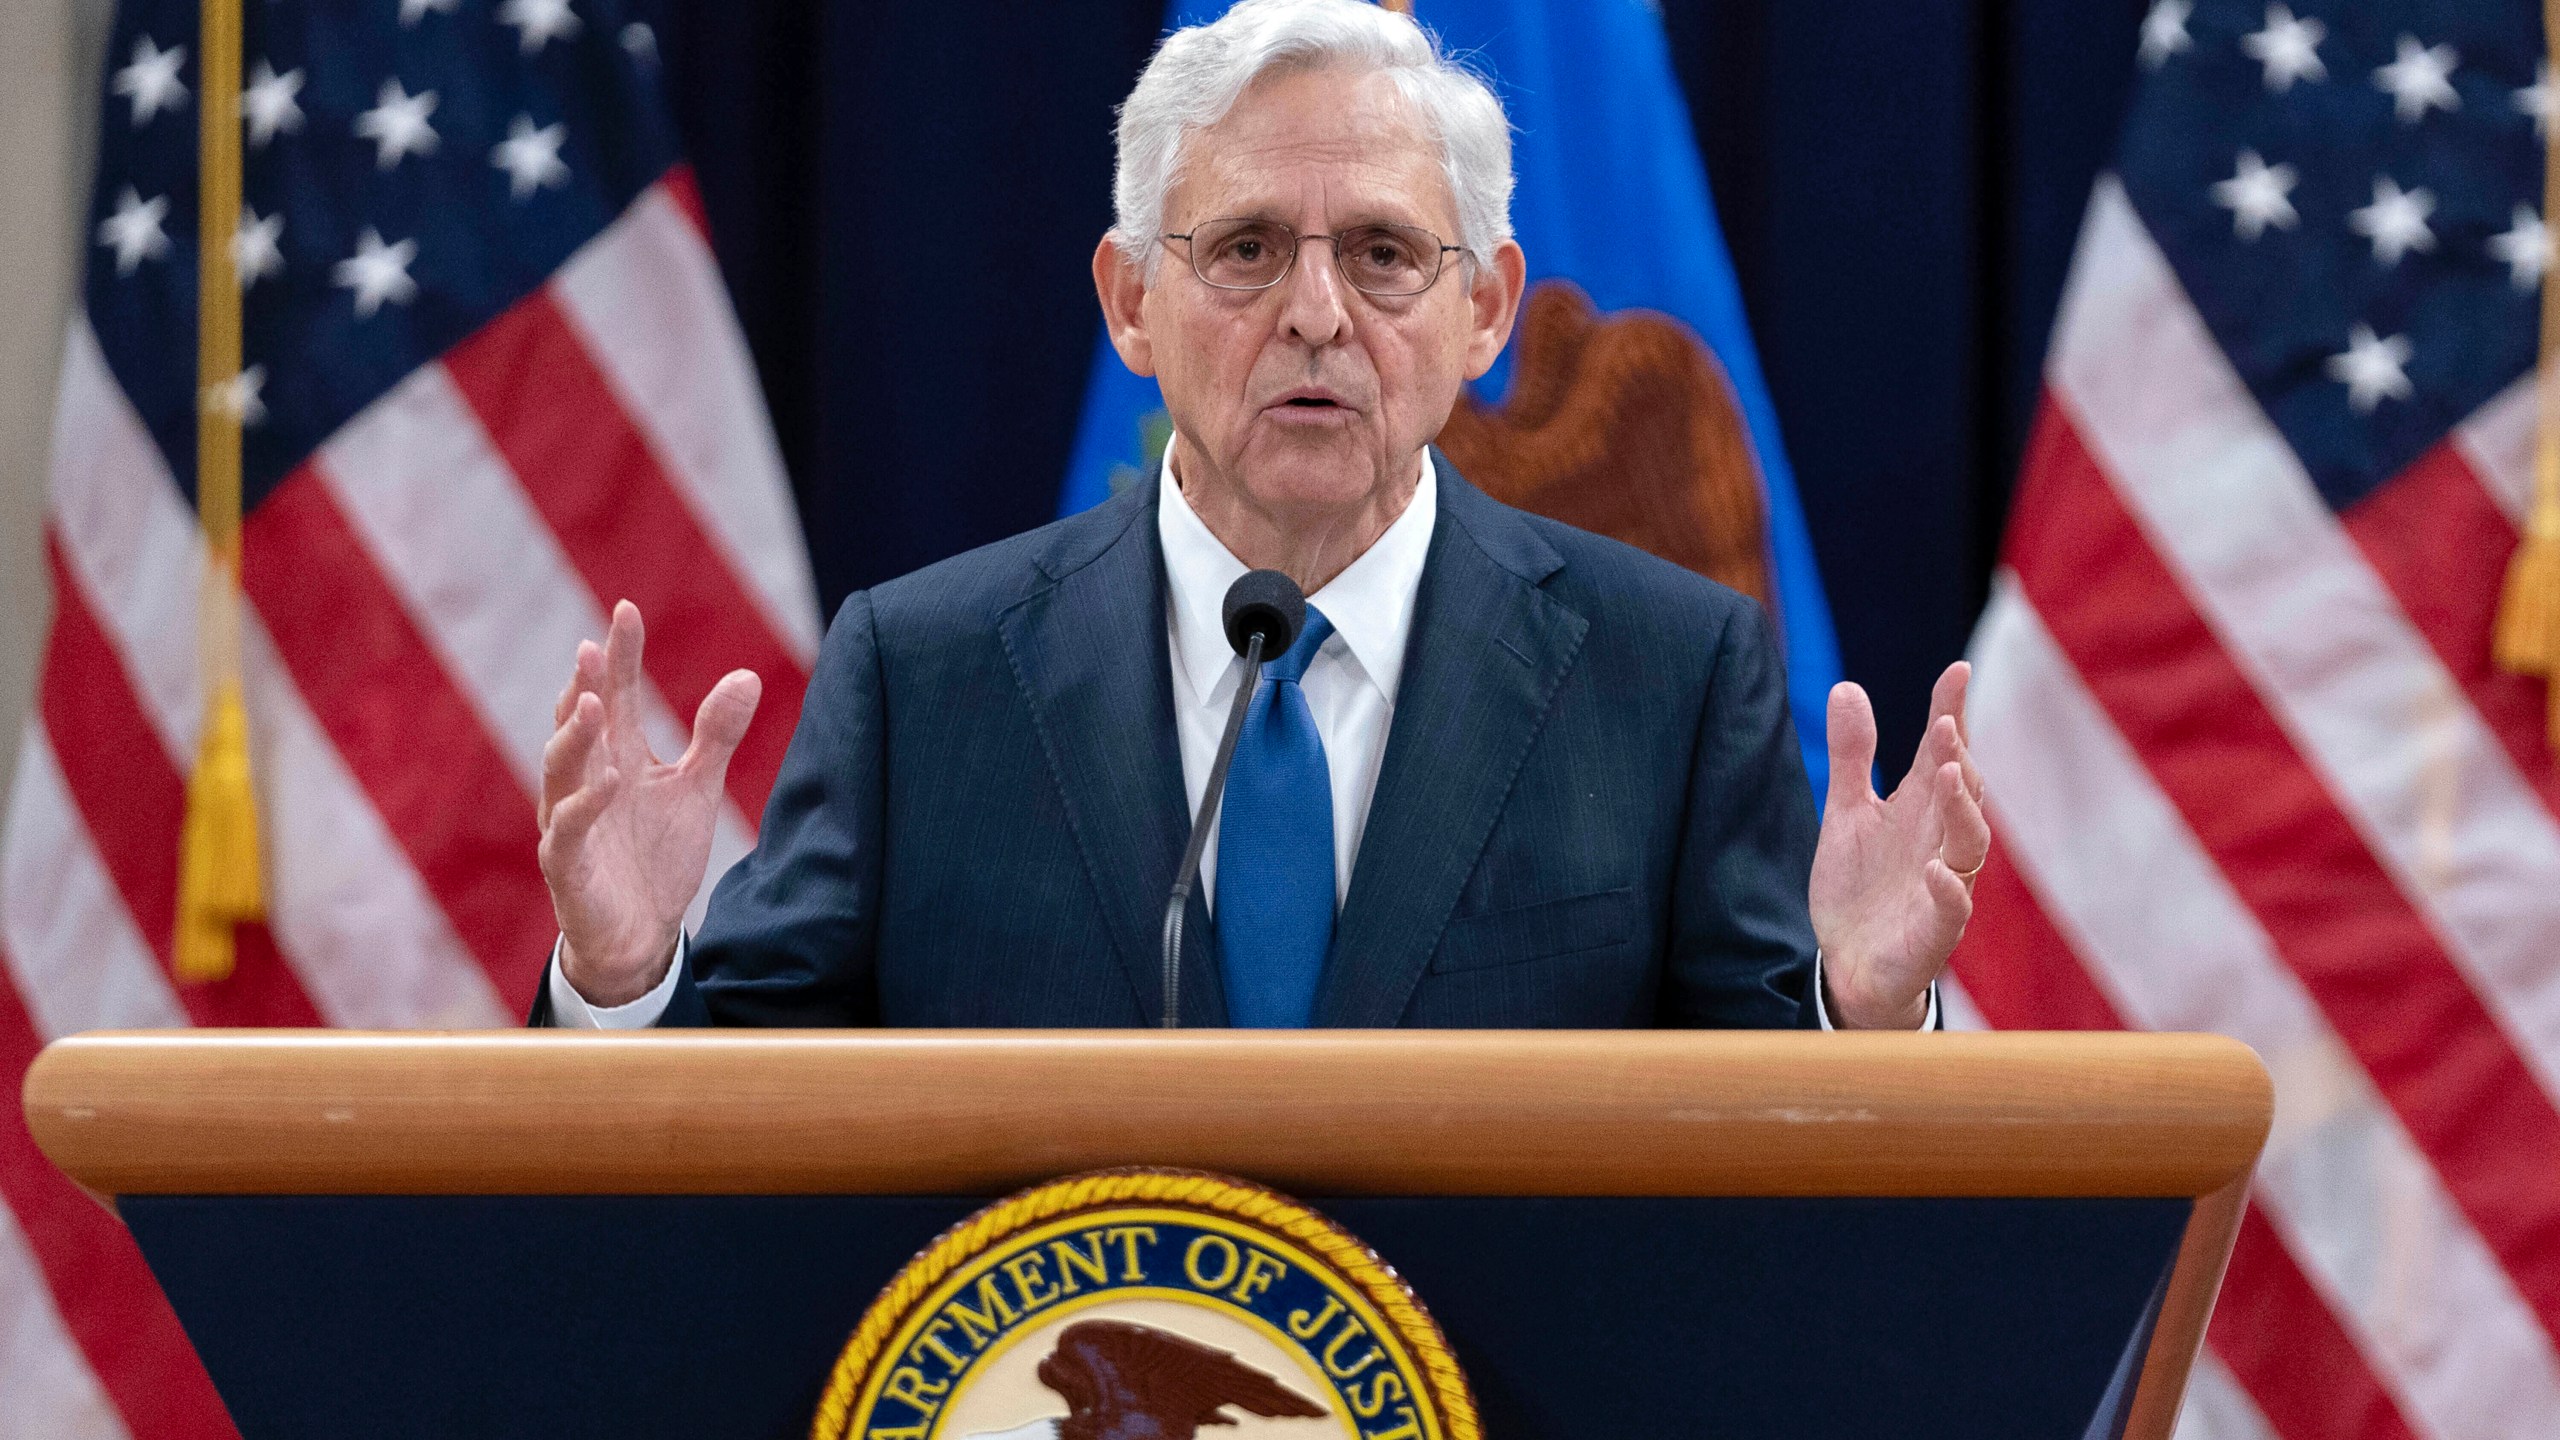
(2278, 1335)
(686, 191)
(2019, 970)
(2365, 955)
(2025, 975)
(107, 1298)
(594, 478)
(408, 734)
(2441, 543)
(132, 798)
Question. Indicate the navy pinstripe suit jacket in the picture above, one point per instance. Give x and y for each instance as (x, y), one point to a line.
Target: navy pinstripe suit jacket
(1591, 812)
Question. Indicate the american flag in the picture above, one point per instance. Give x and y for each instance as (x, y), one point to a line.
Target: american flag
(2251, 765)
(491, 384)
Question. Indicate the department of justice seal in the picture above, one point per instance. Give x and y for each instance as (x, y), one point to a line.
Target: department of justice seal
(1146, 1303)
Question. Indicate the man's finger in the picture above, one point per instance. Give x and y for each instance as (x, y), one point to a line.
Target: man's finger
(1948, 695)
(1964, 833)
(1850, 726)
(1947, 698)
(583, 673)
(1972, 775)
(720, 723)
(623, 642)
(1953, 895)
(1940, 743)
(573, 817)
(1938, 746)
(566, 754)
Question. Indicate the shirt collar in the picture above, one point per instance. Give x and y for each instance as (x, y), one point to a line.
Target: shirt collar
(1370, 603)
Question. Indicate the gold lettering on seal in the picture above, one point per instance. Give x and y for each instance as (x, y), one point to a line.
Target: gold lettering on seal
(932, 1341)
(1411, 1429)
(1129, 1236)
(1230, 1262)
(908, 1386)
(1033, 1288)
(1259, 1271)
(1095, 1265)
(1308, 1327)
(1349, 1332)
(992, 1318)
(1384, 1386)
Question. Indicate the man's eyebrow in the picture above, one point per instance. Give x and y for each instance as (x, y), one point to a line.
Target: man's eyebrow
(1367, 215)
(1359, 218)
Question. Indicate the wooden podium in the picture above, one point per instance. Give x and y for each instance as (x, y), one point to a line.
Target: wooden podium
(1622, 1234)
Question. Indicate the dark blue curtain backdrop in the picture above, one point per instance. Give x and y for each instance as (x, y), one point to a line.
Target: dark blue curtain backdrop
(905, 198)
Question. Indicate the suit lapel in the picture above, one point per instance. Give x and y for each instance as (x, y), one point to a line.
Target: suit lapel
(1089, 652)
(1489, 650)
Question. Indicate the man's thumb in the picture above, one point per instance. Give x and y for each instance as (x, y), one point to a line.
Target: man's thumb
(721, 722)
(1850, 723)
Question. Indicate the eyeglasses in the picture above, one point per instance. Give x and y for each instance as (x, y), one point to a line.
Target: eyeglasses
(1381, 260)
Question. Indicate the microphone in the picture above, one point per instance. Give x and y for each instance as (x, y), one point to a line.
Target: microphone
(1263, 612)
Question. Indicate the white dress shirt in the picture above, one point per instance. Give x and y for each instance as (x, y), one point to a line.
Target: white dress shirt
(1350, 689)
(1350, 685)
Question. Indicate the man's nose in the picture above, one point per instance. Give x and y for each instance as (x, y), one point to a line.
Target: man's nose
(1311, 307)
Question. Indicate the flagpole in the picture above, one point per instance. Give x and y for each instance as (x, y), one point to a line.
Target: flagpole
(2528, 631)
(219, 879)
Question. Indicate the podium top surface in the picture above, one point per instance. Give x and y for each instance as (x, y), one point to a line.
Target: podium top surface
(1320, 1112)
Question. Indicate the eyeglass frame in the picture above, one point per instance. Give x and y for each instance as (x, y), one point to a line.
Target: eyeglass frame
(1297, 242)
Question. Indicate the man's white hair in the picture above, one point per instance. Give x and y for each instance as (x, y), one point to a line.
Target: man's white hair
(1198, 74)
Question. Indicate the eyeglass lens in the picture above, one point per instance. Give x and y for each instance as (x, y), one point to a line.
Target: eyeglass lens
(1373, 259)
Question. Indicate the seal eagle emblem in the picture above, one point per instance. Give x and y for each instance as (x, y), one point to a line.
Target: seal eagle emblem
(1146, 1305)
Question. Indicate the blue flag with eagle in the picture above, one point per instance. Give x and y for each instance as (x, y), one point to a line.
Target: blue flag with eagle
(1630, 401)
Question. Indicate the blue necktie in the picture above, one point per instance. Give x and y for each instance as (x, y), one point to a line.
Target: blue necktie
(1275, 850)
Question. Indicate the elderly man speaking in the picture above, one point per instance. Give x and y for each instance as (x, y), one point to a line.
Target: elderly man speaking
(1507, 774)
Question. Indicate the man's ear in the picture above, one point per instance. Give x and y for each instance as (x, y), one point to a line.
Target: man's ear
(1121, 284)
(1494, 301)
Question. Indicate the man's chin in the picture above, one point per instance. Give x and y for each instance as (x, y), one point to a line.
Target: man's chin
(1312, 477)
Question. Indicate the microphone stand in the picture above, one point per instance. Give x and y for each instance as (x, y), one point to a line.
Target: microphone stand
(1189, 875)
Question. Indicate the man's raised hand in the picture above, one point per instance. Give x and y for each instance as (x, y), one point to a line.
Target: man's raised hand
(625, 836)
(1893, 878)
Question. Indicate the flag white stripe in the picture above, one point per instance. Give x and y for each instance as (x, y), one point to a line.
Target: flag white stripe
(49, 1392)
(142, 579)
(372, 946)
(646, 297)
(2217, 1408)
(1956, 1008)
(452, 532)
(77, 958)
(2227, 503)
(354, 919)
(2359, 1204)
(2497, 442)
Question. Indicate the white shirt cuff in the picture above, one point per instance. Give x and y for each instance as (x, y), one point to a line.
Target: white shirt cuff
(1822, 1009)
(570, 1010)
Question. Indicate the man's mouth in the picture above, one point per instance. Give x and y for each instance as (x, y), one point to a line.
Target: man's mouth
(1311, 401)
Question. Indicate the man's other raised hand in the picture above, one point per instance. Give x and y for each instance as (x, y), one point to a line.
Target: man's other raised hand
(626, 836)
(1893, 876)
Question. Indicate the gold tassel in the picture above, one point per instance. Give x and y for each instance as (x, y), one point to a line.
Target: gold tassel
(2527, 637)
(2528, 634)
(219, 881)
(220, 884)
